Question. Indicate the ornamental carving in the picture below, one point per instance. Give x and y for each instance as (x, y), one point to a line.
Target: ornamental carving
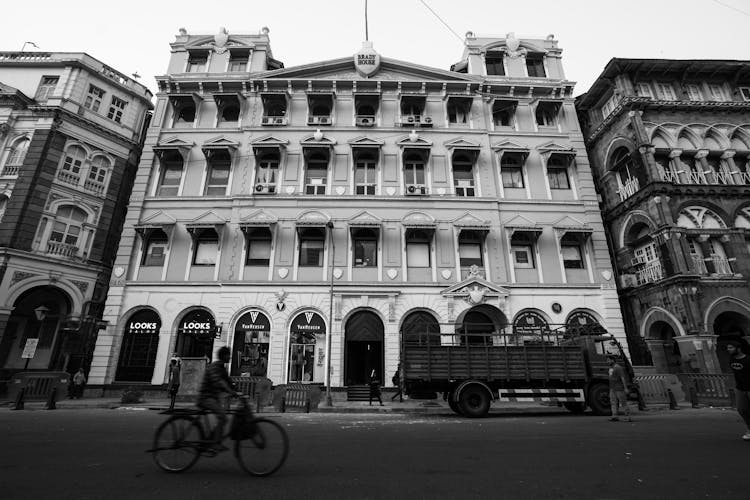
(475, 294)
(81, 285)
(513, 46)
(19, 276)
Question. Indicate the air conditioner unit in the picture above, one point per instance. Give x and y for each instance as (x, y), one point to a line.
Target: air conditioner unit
(365, 121)
(319, 120)
(427, 121)
(273, 120)
(414, 189)
(262, 189)
(410, 120)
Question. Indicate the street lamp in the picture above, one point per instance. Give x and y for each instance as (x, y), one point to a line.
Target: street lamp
(40, 313)
(329, 399)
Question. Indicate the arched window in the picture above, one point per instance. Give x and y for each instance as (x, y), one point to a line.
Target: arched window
(171, 174)
(97, 174)
(16, 156)
(70, 171)
(155, 249)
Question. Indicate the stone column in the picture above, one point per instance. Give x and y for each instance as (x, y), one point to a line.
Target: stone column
(658, 355)
(699, 352)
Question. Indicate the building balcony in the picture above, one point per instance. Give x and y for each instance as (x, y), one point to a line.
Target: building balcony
(11, 169)
(60, 249)
(629, 188)
(68, 178)
(720, 178)
(721, 265)
(94, 187)
(649, 274)
(699, 265)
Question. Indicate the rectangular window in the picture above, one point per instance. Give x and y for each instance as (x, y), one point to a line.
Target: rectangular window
(470, 254)
(665, 91)
(238, 61)
(156, 252)
(94, 98)
(523, 257)
(459, 110)
(512, 177)
(558, 177)
(316, 177)
(217, 178)
(170, 179)
(265, 179)
(46, 87)
(609, 106)
(644, 90)
(206, 252)
(116, 108)
(365, 177)
(494, 63)
(417, 254)
(693, 92)
(546, 113)
(717, 92)
(197, 62)
(311, 253)
(365, 252)
(258, 247)
(572, 256)
(535, 65)
(503, 113)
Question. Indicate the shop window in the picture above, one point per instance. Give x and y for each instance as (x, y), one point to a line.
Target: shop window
(206, 247)
(572, 252)
(557, 172)
(418, 243)
(46, 87)
(155, 249)
(535, 65)
(365, 246)
(267, 173)
(365, 173)
(311, 246)
(494, 62)
(463, 174)
(503, 113)
(522, 250)
(316, 173)
(470, 252)
(259, 247)
(511, 170)
(171, 174)
(94, 98)
(217, 177)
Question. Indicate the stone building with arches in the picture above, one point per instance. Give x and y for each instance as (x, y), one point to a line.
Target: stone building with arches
(336, 207)
(669, 143)
(71, 132)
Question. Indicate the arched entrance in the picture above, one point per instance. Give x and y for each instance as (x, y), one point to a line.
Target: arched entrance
(481, 324)
(730, 325)
(252, 336)
(420, 327)
(195, 334)
(364, 334)
(140, 341)
(37, 314)
(307, 341)
(664, 349)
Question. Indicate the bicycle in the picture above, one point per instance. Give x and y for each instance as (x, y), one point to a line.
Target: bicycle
(261, 445)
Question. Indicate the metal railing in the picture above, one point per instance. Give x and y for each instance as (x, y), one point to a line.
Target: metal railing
(629, 188)
(708, 388)
(699, 265)
(670, 176)
(652, 272)
(721, 264)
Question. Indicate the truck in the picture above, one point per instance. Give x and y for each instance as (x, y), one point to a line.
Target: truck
(562, 364)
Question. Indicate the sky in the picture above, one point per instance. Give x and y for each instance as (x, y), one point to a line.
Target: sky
(134, 36)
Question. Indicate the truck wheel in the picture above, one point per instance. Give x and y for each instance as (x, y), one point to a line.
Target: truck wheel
(474, 402)
(576, 408)
(599, 399)
(454, 405)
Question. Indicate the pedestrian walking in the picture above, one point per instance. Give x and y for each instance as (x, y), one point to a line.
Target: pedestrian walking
(375, 388)
(618, 383)
(174, 382)
(396, 379)
(79, 381)
(739, 362)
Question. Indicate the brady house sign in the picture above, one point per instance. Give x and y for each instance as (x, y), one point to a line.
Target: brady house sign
(367, 61)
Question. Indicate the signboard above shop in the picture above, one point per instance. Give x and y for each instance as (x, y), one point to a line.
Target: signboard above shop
(255, 326)
(306, 326)
(199, 324)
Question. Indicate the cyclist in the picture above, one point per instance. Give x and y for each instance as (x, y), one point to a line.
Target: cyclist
(215, 383)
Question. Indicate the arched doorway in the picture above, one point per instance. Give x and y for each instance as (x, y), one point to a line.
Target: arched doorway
(307, 341)
(481, 324)
(37, 314)
(364, 334)
(730, 325)
(140, 341)
(664, 349)
(252, 337)
(195, 334)
(420, 327)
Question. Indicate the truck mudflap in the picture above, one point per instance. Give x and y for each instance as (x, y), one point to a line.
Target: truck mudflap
(552, 395)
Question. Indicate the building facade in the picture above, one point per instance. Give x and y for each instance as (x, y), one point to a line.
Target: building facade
(334, 206)
(71, 130)
(669, 142)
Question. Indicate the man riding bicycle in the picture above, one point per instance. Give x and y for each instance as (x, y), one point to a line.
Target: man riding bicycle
(215, 383)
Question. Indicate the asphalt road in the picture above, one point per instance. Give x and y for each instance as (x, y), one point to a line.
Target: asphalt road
(83, 454)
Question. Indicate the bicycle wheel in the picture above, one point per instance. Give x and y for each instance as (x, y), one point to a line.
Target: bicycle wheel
(177, 444)
(265, 452)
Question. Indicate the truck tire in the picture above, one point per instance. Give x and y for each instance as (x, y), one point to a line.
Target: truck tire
(599, 399)
(454, 405)
(474, 401)
(575, 408)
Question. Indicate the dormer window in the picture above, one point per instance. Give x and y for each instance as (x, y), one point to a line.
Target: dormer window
(504, 112)
(494, 62)
(238, 61)
(535, 65)
(320, 109)
(274, 109)
(459, 109)
(366, 109)
(197, 62)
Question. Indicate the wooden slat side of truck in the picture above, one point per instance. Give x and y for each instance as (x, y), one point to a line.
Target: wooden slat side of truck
(473, 371)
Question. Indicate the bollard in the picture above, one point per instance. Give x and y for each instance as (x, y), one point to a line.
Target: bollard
(694, 397)
(672, 400)
(18, 404)
(51, 403)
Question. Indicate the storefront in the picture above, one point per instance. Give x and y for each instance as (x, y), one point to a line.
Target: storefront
(196, 333)
(252, 336)
(307, 348)
(139, 343)
(531, 327)
(584, 323)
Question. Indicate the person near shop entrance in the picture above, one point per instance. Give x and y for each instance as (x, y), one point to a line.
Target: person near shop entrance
(739, 362)
(375, 388)
(396, 379)
(79, 381)
(215, 386)
(174, 382)
(618, 382)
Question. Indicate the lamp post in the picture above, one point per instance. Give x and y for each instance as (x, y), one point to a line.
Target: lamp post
(40, 313)
(329, 399)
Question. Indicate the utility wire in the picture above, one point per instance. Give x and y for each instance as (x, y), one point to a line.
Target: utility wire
(441, 20)
(732, 7)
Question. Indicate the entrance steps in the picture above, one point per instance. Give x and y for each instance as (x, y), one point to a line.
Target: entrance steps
(358, 393)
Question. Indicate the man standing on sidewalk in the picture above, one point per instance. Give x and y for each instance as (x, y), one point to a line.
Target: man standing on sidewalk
(618, 383)
(739, 362)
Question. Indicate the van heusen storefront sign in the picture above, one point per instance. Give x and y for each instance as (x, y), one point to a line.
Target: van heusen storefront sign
(307, 348)
(252, 337)
(139, 344)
